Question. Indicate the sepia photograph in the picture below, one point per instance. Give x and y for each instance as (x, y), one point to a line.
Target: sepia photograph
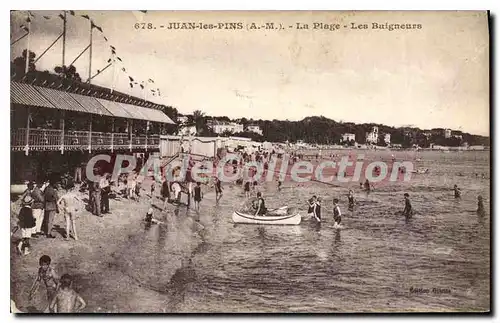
(250, 162)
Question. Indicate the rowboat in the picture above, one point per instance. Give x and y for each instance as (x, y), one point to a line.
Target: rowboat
(281, 216)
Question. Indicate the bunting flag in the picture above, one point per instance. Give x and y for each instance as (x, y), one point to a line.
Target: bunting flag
(95, 26)
(142, 84)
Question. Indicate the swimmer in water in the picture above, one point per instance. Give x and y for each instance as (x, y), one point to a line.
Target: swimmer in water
(408, 211)
(350, 199)
(337, 215)
(480, 206)
(247, 189)
(312, 204)
(149, 218)
(218, 190)
(66, 299)
(367, 186)
(458, 192)
(317, 209)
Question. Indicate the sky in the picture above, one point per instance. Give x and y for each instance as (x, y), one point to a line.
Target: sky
(435, 76)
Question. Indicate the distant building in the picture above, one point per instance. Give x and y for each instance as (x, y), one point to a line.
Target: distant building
(372, 137)
(347, 137)
(182, 119)
(458, 136)
(255, 128)
(447, 133)
(387, 138)
(427, 134)
(221, 127)
(187, 131)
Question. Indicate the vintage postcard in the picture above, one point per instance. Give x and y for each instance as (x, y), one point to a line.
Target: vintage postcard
(250, 162)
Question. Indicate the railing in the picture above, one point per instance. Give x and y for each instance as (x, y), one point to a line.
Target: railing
(51, 139)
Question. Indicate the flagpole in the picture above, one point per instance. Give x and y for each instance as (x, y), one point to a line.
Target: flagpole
(64, 40)
(90, 53)
(114, 74)
(28, 47)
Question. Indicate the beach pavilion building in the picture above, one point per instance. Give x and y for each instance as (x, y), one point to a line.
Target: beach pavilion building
(57, 129)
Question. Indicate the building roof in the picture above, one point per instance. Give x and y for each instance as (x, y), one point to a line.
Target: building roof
(32, 95)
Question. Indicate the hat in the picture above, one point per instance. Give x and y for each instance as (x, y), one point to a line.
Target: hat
(335, 200)
(407, 195)
(27, 200)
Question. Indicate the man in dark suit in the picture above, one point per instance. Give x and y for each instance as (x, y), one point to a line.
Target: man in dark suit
(50, 207)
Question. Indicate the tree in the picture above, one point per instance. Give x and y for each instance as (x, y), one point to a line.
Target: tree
(199, 120)
(68, 72)
(18, 65)
(226, 133)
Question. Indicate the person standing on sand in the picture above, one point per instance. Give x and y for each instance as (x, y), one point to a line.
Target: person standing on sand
(105, 190)
(96, 198)
(458, 192)
(66, 299)
(69, 203)
(27, 225)
(37, 207)
(50, 206)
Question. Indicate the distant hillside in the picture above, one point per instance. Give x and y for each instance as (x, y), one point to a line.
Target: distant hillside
(321, 130)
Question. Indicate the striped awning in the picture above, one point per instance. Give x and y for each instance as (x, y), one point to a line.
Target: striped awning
(33, 95)
(91, 104)
(134, 111)
(21, 93)
(115, 108)
(61, 100)
(156, 115)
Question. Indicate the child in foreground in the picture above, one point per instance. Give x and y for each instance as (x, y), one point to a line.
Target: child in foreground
(67, 300)
(49, 276)
(27, 225)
